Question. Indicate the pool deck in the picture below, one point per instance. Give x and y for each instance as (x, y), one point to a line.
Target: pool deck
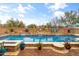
(12, 53)
(48, 52)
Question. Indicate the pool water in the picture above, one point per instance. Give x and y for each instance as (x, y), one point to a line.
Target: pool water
(42, 38)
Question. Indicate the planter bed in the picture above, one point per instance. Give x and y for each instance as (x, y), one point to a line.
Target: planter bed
(11, 46)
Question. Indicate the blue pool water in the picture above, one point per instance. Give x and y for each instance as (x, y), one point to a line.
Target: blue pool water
(42, 38)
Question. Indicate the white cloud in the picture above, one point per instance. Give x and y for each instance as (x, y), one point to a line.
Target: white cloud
(29, 7)
(55, 9)
(4, 8)
(58, 6)
(58, 13)
(21, 15)
(4, 18)
(28, 21)
(22, 9)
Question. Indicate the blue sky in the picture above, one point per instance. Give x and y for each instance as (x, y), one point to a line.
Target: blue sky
(34, 13)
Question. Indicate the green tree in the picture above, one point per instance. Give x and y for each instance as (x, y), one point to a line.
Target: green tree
(48, 25)
(14, 23)
(70, 18)
(10, 23)
(31, 26)
(21, 24)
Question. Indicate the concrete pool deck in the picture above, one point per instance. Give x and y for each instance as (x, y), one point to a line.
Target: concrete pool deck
(48, 52)
(48, 48)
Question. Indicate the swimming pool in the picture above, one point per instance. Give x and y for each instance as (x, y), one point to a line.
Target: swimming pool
(41, 38)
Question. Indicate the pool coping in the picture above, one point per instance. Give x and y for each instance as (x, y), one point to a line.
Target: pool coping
(56, 44)
(34, 42)
(37, 34)
(4, 35)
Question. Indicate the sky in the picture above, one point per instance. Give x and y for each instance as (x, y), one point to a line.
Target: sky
(34, 13)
